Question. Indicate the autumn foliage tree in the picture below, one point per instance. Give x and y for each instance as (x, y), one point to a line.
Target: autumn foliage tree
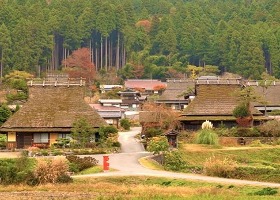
(78, 65)
(159, 87)
(159, 116)
(146, 24)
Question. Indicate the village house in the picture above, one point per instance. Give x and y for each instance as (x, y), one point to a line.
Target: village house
(145, 86)
(106, 88)
(111, 114)
(268, 93)
(49, 114)
(178, 93)
(215, 101)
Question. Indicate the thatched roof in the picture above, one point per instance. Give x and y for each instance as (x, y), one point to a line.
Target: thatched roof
(214, 100)
(51, 108)
(270, 94)
(175, 90)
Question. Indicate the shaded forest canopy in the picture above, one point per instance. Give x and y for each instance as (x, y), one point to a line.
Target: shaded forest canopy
(156, 38)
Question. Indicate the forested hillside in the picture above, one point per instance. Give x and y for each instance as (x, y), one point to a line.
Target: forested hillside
(143, 38)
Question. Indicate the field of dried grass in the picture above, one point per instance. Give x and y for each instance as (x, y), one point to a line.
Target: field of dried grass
(131, 188)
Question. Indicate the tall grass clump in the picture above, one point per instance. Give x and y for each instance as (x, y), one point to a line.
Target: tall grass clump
(207, 136)
(51, 170)
(214, 166)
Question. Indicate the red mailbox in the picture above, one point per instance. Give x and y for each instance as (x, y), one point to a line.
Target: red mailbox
(105, 163)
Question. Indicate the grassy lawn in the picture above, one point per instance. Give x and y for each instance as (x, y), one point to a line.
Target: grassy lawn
(254, 160)
(134, 188)
(197, 154)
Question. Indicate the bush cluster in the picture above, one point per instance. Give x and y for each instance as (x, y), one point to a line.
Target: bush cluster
(173, 161)
(78, 164)
(125, 124)
(153, 132)
(3, 141)
(241, 110)
(51, 170)
(14, 171)
(270, 128)
(207, 136)
(105, 131)
(266, 191)
(264, 173)
(246, 132)
(219, 167)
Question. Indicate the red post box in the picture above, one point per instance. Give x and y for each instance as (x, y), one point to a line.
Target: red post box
(105, 163)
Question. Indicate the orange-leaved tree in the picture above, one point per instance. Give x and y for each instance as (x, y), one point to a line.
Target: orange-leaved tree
(159, 87)
(159, 116)
(146, 24)
(79, 65)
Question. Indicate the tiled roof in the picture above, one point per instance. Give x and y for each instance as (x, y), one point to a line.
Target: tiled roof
(214, 99)
(147, 84)
(52, 107)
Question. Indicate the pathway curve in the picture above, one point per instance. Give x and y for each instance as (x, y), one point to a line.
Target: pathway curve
(127, 164)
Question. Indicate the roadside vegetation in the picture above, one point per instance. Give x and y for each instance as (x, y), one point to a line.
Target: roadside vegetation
(139, 188)
(208, 151)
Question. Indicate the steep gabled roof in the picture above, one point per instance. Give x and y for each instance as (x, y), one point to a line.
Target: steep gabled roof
(214, 99)
(53, 108)
(269, 93)
(175, 90)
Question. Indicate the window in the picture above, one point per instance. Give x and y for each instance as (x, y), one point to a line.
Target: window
(41, 138)
(64, 135)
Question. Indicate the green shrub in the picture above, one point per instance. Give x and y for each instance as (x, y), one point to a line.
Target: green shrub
(256, 143)
(20, 96)
(173, 161)
(56, 152)
(266, 191)
(3, 141)
(13, 171)
(223, 132)
(247, 132)
(241, 110)
(64, 178)
(73, 167)
(62, 143)
(158, 144)
(270, 128)
(125, 124)
(264, 173)
(105, 131)
(222, 168)
(44, 152)
(5, 113)
(153, 132)
(207, 136)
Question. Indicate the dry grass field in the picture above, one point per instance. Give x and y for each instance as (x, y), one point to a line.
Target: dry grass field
(131, 188)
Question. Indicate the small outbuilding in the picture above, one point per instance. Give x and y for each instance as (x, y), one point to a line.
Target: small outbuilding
(172, 137)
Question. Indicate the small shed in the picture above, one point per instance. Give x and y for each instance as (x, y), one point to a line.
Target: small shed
(172, 137)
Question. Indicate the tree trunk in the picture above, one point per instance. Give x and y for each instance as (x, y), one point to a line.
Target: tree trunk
(106, 54)
(101, 54)
(118, 52)
(1, 66)
(96, 58)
